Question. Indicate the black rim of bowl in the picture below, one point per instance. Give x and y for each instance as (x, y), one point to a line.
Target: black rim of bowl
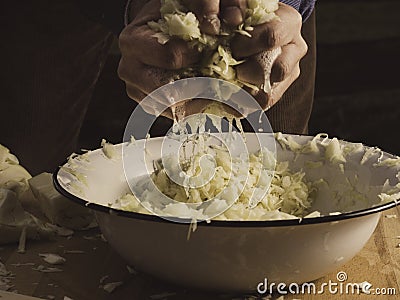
(222, 223)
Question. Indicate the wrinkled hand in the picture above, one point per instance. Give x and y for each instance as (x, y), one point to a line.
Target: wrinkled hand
(146, 64)
(284, 33)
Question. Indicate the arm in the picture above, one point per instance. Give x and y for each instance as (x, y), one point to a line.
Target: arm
(159, 65)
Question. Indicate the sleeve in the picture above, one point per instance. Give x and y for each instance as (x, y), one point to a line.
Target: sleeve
(304, 7)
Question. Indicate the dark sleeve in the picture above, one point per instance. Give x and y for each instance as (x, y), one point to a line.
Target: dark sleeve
(110, 13)
(304, 7)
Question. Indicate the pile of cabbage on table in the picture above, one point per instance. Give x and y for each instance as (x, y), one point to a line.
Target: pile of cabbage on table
(31, 208)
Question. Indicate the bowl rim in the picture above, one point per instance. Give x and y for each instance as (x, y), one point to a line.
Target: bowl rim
(220, 223)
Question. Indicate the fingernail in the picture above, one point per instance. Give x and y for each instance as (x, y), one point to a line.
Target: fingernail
(210, 24)
(232, 16)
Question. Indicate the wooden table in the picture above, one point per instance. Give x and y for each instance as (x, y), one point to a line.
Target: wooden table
(377, 263)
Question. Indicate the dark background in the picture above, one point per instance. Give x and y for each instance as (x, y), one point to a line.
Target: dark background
(357, 96)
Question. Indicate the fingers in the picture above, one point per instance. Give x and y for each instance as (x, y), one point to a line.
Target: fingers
(280, 88)
(258, 71)
(139, 42)
(262, 99)
(143, 78)
(149, 105)
(288, 60)
(269, 35)
(210, 25)
(233, 12)
(196, 106)
(251, 71)
(206, 12)
(247, 72)
(283, 33)
(264, 37)
(146, 64)
(134, 93)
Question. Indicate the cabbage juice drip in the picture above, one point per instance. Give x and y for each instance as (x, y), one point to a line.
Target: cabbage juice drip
(236, 184)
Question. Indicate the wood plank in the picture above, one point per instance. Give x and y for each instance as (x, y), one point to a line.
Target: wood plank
(13, 296)
(377, 263)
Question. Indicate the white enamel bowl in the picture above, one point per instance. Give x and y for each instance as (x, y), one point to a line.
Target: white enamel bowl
(234, 255)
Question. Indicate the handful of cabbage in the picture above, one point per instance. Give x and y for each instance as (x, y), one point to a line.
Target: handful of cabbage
(178, 22)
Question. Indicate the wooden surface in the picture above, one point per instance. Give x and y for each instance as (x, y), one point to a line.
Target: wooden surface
(13, 296)
(377, 263)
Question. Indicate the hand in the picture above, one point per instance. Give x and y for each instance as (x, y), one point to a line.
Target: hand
(146, 64)
(284, 33)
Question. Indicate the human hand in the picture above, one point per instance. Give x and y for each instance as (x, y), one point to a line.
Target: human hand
(272, 54)
(146, 64)
(284, 33)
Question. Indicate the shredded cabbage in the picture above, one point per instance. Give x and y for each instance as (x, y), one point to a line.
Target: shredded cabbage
(369, 153)
(260, 11)
(289, 196)
(389, 162)
(181, 25)
(176, 21)
(108, 149)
